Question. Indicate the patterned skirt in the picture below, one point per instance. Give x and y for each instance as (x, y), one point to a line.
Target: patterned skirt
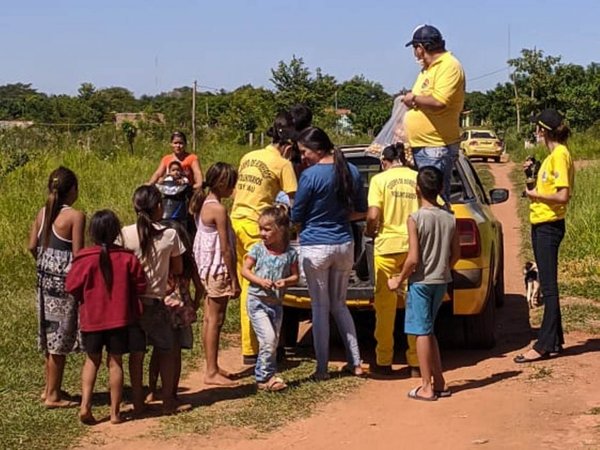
(58, 331)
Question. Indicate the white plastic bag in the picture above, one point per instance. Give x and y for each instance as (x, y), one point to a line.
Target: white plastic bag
(392, 131)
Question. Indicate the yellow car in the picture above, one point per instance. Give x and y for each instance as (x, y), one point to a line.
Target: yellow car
(478, 277)
(479, 143)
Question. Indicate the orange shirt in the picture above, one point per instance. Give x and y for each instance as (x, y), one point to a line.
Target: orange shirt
(186, 163)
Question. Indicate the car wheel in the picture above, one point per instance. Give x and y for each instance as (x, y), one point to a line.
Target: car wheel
(480, 329)
(496, 159)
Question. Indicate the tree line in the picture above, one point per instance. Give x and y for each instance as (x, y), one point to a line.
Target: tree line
(536, 81)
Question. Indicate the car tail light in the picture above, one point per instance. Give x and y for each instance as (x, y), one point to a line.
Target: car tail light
(469, 238)
(473, 143)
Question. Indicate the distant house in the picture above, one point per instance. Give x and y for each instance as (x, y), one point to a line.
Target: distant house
(8, 124)
(139, 117)
(343, 122)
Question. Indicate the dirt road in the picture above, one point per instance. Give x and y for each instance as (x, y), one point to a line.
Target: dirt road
(496, 404)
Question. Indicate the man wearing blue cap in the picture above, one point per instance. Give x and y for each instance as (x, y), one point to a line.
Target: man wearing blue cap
(435, 102)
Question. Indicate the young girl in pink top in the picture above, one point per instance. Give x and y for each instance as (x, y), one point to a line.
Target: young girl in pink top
(214, 251)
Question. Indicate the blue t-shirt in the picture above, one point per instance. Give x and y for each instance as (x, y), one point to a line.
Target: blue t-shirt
(272, 266)
(324, 219)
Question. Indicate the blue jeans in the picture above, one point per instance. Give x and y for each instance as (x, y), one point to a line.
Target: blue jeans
(327, 270)
(442, 158)
(545, 239)
(266, 318)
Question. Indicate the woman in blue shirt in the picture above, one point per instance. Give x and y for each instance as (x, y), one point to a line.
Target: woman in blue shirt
(329, 196)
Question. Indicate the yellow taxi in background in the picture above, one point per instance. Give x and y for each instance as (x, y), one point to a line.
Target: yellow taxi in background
(478, 277)
(480, 143)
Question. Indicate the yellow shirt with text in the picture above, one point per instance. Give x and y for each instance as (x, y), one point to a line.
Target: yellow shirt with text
(444, 80)
(394, 193)
(557, 171)
(262, 174)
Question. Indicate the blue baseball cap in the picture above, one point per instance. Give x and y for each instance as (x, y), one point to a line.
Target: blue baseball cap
(426, 34)
(549, 118)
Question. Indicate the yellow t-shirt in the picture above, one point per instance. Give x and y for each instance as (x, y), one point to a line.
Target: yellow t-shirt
(444, 80)
(261, 176)
(394, 193)
(556, 171)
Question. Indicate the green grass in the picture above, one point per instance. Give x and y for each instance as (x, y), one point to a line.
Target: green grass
(540, 372)
(579, 258)
(262, 411)
(107, 179)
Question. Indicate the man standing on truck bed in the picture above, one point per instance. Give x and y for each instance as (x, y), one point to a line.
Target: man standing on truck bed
(435, 102)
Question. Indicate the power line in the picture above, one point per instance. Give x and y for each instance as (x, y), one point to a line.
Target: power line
(489, 74)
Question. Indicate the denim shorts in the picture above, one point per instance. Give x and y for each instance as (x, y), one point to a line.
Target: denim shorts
(422, 305)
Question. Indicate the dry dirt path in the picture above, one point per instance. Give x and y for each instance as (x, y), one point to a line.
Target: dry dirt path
(496, 404)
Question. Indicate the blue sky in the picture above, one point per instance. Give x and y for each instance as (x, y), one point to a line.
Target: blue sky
(153, 46)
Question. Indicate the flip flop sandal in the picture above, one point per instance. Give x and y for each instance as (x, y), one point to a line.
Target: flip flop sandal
(275, 384)
(443, 394)
(350, 369)
(414, 394)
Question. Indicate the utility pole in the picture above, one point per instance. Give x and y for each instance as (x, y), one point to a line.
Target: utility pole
(194, 117)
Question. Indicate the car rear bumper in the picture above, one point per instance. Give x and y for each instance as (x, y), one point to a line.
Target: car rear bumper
(466, 294)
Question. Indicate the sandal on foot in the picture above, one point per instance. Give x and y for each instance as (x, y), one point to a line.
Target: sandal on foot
(353, 370)
(522, 359)
(320, 376)
(414, 394)
(274, 384)
(443, 394)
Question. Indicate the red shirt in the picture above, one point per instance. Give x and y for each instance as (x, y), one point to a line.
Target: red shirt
(100, 309)
(186, 164)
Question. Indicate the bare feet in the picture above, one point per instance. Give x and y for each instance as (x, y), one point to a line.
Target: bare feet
(115, 420)
(219, 380)
(152, 397)
(87, 418)
(60, 404)
(225, 373)
(172, 406)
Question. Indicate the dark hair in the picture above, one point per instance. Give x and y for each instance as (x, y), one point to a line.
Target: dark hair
(281, 218)
(317, 140)
(559, 134)
(146, 199)
(175, 162)
(179, 134)
(283, 130)
(220, 174)
(104, 229)
(301, 116)
(60, 183)
(189, 264)
(394, 152)
(431, 182)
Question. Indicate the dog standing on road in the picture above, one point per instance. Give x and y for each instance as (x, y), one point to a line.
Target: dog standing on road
(532, 284)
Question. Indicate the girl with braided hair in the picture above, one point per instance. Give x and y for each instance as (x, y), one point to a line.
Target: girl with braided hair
(56, 236)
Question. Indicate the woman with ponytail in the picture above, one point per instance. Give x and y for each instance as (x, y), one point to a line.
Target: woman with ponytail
(263, 174)
(159, 249)
(56, 236)
(330, 195)
(106, 280)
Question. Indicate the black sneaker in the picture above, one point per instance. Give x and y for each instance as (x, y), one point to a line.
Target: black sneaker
(249, 360)
(381, 370)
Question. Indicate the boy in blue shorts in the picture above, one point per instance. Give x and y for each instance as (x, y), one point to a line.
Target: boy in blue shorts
(433, 251)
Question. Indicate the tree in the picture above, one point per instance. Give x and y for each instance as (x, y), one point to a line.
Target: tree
(130, 132)
(370, 105)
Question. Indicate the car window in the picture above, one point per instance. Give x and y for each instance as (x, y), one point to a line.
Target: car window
(482, 135)
(480, 190)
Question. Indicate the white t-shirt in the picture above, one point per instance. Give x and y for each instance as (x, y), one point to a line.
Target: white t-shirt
(166, 245)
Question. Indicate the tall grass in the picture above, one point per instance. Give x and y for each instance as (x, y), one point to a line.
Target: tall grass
(107, 176)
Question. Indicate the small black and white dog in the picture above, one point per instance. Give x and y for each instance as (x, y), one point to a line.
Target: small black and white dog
(532, 284)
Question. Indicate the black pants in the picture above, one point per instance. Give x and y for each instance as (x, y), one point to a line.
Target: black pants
(546, 238)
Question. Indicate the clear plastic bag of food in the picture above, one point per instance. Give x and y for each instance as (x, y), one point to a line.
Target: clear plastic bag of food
(392, 131)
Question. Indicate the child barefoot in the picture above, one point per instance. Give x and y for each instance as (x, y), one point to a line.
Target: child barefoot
(106, 280)
(182, 308)
(56, 236)
(433, 251)
(159, 250)
(270, 266)
(214, 251)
